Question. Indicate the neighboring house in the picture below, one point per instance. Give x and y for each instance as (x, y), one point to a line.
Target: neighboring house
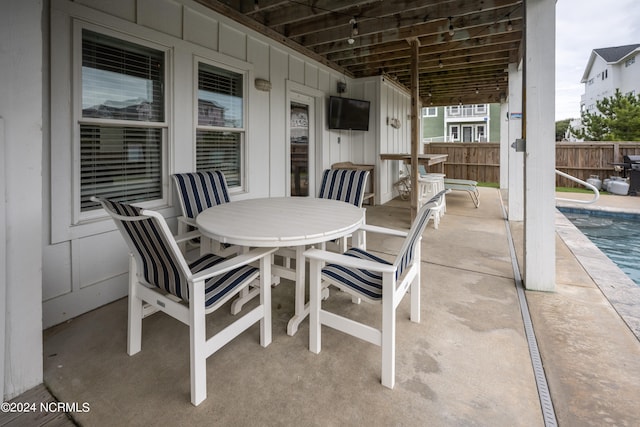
(461, 123)
(610, 69)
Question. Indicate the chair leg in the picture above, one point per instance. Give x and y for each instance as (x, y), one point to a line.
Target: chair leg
(197, 339)
(415, 288)
(265, 299)
(388, 343)
(315, 304)
(134, 333)
(182, 228)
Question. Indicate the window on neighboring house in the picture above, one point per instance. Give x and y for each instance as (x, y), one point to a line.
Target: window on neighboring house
(630, 61)
(480, 129)
(122, 125)
(481, 108)
(605, 74)
(454, 110)
(430, 112)
(454, 133)
(220, 132)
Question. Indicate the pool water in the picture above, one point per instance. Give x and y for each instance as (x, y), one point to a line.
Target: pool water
(616, 235)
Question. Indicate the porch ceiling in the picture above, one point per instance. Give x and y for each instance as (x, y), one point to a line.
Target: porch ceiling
(469, 66)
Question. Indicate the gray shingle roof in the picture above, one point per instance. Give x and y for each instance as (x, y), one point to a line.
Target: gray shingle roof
(614, 54)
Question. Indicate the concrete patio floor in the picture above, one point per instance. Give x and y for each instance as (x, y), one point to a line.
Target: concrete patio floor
(466, 364)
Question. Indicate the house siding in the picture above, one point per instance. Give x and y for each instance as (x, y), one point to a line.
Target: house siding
(435, 128)
(619, 76)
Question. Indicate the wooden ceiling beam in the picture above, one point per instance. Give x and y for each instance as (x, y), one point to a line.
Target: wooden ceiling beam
(399, 15)
(432, 47)
(374, 33)
(400, 56)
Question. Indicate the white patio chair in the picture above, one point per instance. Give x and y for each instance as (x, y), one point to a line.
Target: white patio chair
(374, 280)
(160, 276)
(198, 191)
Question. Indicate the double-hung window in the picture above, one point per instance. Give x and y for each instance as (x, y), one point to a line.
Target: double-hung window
(220, 133)
(122, 127)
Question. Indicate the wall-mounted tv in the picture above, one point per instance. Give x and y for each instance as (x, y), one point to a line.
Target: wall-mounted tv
(348, 114)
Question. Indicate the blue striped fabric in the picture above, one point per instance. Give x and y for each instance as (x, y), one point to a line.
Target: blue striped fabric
(369, 283)
(201, 190)
(344, 184)
(161, 265)
(219, 286)
(365, 282)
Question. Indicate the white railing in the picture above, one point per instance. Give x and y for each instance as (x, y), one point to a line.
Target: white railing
(466, 111)
(596, 194)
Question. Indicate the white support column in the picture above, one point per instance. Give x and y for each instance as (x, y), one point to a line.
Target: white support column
(504, 145)
(516, 159)
(21, 108)
(540, 250)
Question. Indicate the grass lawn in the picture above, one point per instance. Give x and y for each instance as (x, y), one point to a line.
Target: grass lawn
(558, 189)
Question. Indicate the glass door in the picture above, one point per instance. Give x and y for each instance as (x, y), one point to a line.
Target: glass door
(299, 133)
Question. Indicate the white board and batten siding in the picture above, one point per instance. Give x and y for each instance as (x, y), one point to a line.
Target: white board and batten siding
(85, 263)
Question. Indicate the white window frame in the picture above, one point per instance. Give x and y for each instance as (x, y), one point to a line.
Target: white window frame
(456, 129)
(77, 119)
(479, 135)
(481, 108)
(454, 110)
(243, 187)
(65, 100)
(430, 112)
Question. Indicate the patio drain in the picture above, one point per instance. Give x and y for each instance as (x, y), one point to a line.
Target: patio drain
(546, 403)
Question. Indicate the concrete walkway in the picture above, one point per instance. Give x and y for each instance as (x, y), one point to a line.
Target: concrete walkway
(467, 363)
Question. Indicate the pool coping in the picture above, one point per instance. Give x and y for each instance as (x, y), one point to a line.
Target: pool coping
(621, 292)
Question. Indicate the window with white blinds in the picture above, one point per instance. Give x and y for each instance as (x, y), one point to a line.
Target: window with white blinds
(122, 128)
(220, 129)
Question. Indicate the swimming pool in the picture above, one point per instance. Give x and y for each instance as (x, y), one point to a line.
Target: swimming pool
(617, 235)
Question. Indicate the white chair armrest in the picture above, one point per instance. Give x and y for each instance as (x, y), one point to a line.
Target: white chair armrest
(349, 261)
(187, 220)
(185, 237)
(235, 262)
(383, 230)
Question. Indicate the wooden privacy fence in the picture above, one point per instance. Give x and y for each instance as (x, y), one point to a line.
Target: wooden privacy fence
(480, 161)
(583, 159)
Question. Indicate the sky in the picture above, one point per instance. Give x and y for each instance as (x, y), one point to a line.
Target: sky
(581, 27)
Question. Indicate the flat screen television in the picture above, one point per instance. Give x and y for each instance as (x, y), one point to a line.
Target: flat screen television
(348, 114)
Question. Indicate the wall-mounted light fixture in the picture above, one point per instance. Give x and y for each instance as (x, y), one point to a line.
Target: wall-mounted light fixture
(262, 84)
(393, 122)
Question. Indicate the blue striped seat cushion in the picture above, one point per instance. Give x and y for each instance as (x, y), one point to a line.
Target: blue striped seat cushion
(365, 282)
(219, 286)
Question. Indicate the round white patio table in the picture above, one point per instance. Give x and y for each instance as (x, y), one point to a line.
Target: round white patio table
(282, 222)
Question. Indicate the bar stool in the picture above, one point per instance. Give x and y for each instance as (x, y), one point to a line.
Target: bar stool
(429, 185)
